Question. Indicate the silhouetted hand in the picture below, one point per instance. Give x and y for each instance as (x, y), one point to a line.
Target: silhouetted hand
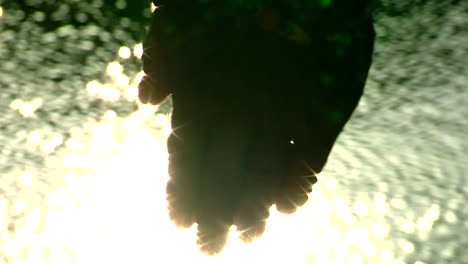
(258, 102)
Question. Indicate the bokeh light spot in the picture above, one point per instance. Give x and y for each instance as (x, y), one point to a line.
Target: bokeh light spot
(35, 137)
(122, 81)
(125, 52)
(93, 87)
(330, 184)
(379, 230)
(162, 119)
(407, 246)
(138, 50)
(26, 179)
(47, 147)
(109, 93)
(450, 217)
(408, 227)
(355, 258)
(16, 104)
(19, 205)
(110, 115)
(131, 93)
(27, 109)
(74, 145)
(386, 256)
(360, 208)
(114, 69)
(433, 213)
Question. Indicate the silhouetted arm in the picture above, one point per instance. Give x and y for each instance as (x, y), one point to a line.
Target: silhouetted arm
(259, 97)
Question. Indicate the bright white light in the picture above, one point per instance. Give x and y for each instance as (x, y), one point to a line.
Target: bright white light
(19, 205)
(408, 227)
(114, 69)
(47, 147)
(93, 87)
(122, 81)
(26, 179)
(125, 52)
(16, 104)
(35, 137)
(138, 77)
(27, 109)
(109, 93)
(138, 50)
(74, 145)
(450, 217)
(386, 256)
(162, 119)
(379, 230)
(110, 115)
(131, 93)
(330, 184)
(407, 246)
(360, 208)
(433, 213)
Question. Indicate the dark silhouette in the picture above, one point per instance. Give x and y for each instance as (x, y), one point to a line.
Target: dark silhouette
(260, 93)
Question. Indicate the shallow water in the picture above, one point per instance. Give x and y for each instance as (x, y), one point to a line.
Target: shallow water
(79, 156)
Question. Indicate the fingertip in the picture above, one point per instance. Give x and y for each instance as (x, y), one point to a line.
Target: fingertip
(150, 93)
(212, 237)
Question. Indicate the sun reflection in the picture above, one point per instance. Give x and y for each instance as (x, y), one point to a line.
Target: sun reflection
(138, 50)
(125, 52)
(153, 7)
(35, 137)
(407, 227)
(450, 217)
(379, 230)
(119, 87)
(19, 205)
(122, 81)
(386, 256)
(110, 206)
(93, 87)
(26, 108)
(114, 69)
(26, 179)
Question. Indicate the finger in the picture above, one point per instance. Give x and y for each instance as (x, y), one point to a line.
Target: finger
(250, 219)
(182, 188)
(212, 235)
(296, 180)
(151, 89)
(294, 193)
(150, 93)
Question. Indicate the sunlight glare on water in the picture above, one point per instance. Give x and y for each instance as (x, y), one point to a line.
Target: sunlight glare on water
(110, 206)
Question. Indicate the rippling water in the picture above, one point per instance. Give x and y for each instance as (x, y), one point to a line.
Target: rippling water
(83, 164)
